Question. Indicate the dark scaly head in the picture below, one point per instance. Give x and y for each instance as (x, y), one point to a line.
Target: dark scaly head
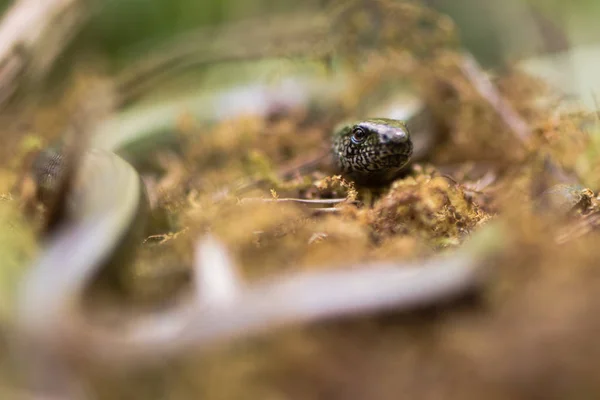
(372, 152)
(48, 170)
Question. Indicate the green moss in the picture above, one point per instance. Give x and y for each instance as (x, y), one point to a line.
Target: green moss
(17, 246)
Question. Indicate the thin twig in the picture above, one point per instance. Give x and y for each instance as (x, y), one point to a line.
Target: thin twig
(295, 200)
(487, 90)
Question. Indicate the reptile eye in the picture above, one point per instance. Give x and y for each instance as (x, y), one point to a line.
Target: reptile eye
(358, 135)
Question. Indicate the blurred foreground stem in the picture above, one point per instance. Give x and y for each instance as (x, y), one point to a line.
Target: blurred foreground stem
(33, 34)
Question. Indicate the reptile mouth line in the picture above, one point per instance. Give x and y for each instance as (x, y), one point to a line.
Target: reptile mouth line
(386, 154)
(394, 160)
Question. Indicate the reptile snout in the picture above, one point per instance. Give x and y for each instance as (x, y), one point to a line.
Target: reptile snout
(393, 136)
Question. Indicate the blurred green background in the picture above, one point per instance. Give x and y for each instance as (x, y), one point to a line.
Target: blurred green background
(494, 30)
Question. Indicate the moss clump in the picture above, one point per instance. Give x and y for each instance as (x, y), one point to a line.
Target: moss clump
(428, 207)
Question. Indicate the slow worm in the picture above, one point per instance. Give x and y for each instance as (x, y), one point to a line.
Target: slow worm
(106, 204)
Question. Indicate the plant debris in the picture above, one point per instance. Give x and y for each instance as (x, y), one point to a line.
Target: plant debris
(527, 333)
